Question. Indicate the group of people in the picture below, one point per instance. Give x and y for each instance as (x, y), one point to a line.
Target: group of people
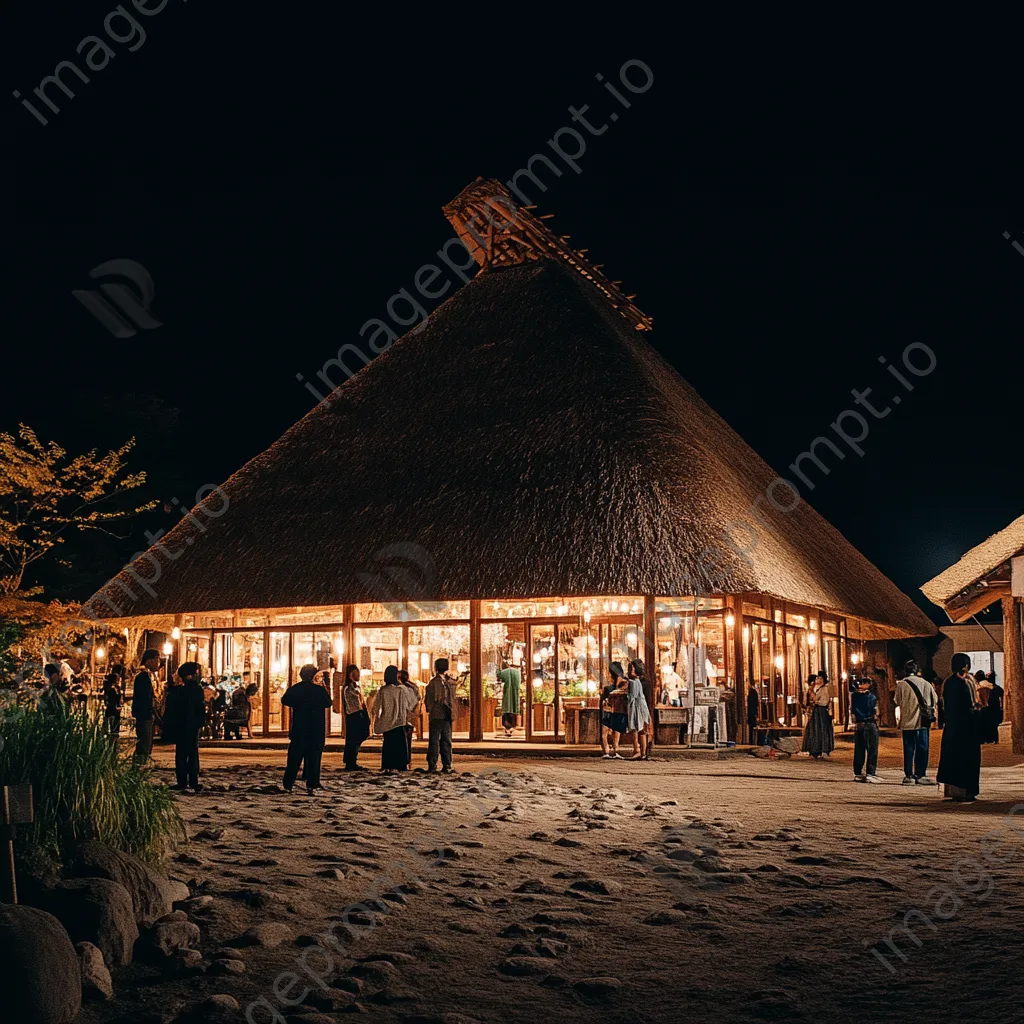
(626, 703)
(971, 712)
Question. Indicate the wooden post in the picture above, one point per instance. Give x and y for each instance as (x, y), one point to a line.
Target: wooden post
(15, 809)
(735, 604)
(1013, 670)
(476, 683)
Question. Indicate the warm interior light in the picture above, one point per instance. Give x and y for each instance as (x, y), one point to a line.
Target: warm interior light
(100, 653)
(586, 616)
(424, 661)
(666, 621)
(537, 658)
(746, 635)
(591, 686)
(854, 659)
(175, 633)
(730, 620)
(631, 639)
(463, 667)
(168, 647)
(812, 639)
(843, 675)
(615, 606)
(779, 661)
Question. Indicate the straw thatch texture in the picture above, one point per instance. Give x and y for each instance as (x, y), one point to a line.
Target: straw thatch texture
(533, 444)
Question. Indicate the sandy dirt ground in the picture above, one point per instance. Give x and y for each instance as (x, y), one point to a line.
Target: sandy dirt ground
(520, 890)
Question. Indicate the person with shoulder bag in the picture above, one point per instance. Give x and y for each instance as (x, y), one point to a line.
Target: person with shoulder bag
(918, 703)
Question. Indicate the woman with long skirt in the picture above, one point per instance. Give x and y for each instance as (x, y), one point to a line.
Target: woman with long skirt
(819, 736)
(960, 754)
(391, 707)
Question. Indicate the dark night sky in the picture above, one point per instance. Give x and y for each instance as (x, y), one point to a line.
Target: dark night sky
(280, 182)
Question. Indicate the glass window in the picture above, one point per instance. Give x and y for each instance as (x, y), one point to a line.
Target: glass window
(544, 654)
(426, 645)
(278, 664)
(561, 607)
(503, 645)
(308, 616)
(411, 611)
(375, 649)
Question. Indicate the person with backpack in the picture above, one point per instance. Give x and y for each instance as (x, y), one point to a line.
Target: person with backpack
(918, 704)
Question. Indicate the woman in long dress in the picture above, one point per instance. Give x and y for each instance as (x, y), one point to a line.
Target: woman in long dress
(391, 707)
(638, 714)
(819, 736)
(960, 754)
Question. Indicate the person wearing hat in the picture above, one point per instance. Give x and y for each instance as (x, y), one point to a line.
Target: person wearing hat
(864, 709)
(308, 702)
(143, 705)
(440, 703)
(184, 713)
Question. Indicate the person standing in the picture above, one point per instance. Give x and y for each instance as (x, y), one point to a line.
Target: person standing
(440, 704)
(940, 714)
(237, 714)
(357, 718)
(960, 752)
(615, 720)
(819, 736)
(410, 724)
(113, 701)
(753, 712)
(918, 703)
(511, 680)
(184, 711)
(638, 712)
(143, 701)
(864, 709)
(991, 715)
(308, 734)
(391, 707)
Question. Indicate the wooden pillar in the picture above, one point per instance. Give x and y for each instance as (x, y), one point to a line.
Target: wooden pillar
(735, 605)
(650, 644)
(1013, 670)
(476, 682)
(265, 687)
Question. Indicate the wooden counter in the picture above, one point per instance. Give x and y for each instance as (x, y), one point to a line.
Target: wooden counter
(582, 725)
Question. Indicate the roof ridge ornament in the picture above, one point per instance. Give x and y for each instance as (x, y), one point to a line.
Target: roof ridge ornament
(498, 232)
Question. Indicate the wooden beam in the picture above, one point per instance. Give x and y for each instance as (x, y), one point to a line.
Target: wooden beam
(961, 609)
(1013, 670)
(476, 682)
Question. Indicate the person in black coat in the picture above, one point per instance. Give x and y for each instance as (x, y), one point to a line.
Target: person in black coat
(960, 757)
(753, 712)
(308, 703)
(183, 719)
(143, 706)
(991, 716)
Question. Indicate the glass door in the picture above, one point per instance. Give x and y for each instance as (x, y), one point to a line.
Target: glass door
(542, 682)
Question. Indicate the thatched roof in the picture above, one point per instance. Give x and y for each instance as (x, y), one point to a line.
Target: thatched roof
(526, 441)
(978, 563)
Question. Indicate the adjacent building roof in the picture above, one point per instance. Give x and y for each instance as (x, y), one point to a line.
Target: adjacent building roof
(524, 441)
(978, 563)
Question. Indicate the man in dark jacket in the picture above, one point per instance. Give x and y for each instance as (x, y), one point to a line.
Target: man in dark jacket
(183, 718)
(308, 703)
(864, 708)
(142, 706)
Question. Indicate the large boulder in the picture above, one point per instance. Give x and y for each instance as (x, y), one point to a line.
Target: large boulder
(39, 974)
(96, 910)
(152, 893)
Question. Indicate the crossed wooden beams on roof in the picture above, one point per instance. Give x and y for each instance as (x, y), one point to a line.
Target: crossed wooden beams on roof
(500, 232)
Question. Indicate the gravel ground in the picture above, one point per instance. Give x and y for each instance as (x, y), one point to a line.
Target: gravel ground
(517, 889)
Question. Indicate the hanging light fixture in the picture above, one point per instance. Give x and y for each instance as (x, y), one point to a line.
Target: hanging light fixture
(168, 648)
(730, 620)
(854, 658)
(631, 639)
(586, 616)
(100, 653)
(812, 639)
(780, 662)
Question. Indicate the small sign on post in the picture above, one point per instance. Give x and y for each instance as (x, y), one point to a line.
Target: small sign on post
(707, 696)
(15, 809)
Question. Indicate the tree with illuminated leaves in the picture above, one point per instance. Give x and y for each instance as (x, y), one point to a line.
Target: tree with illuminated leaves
(46, 494)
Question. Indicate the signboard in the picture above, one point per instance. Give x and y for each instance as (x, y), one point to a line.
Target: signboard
(706, 695)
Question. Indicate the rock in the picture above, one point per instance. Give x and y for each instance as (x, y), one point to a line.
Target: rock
(174, 915)
(39, 969)
(335, 873)
(377, 971)
(268, 934)
(710, 864)
(215, 1009)
(567, 843)
(597, 885)
(152, 894)
(522, 966)
(96, 981)
(194, 903)
(561, 917)
(99, 911)
(597, 987)
(222, 1002)
(166, 939)
(227, 967)
(391, 957)
(552, 947)
(688, 856)
(665, 917)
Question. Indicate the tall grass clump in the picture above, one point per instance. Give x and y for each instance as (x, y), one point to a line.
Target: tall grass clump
(83, 786)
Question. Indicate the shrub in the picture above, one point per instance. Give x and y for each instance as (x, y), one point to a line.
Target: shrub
(83, 786)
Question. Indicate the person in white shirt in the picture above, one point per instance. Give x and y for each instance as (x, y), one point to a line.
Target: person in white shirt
(917, 701)
(392, 706)
(819, 736)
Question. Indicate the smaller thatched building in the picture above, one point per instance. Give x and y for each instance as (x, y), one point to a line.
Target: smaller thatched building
(522, 485)
(991, 573)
